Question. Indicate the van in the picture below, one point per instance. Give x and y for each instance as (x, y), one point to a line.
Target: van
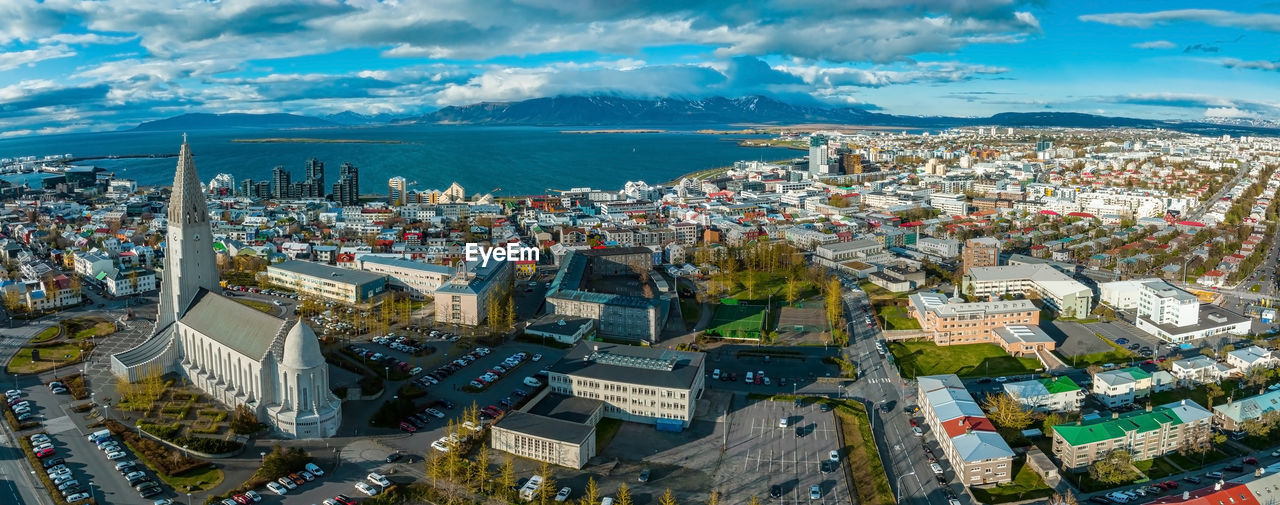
(606, 501)
(530, 488)
(532, 382)
(99, 435)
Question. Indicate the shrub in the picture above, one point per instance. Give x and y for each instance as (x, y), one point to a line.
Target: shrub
(411, 390)
(159, 457)
(243, 422)
(165, 431)
(75, 386)
(278, 463)
(208, 445)
(392, 412)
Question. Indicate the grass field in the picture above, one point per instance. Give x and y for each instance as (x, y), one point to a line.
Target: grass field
(102, 328)
(1116, 355)
(50, 357)
(970, 360)
(737, 321)
(766, 285)
(1026, 485)
(261, 306)
(895, 318)
(45, 335)
(1200, 394)
(869, 480)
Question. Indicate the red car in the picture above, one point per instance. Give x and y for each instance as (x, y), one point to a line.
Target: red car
(1250, 461)
(914, 423)
(44, 453)
(1169, 484)
(408, 427)
(242, 499)
(344, 500)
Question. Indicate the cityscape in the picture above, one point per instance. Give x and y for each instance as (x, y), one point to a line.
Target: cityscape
(629, 254)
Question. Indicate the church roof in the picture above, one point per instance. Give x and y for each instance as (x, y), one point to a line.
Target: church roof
(302, 348)
(240, 327)
(186, 204)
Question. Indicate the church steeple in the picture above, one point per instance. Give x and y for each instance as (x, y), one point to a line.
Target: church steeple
(189, 262)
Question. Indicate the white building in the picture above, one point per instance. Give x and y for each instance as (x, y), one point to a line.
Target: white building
(414, 277)
(232, 352)
(1061, 293)
(951, 204)
(1199, 370)
(131, 281)
(1057, 394)
(1122, 295)
(638, 384)
(940, 247)
(1164, 304)
(1243, 360)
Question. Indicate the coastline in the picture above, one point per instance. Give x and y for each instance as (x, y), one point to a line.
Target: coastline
(712, 172)
(592, 132)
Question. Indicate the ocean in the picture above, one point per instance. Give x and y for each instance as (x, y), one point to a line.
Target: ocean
(483, 159)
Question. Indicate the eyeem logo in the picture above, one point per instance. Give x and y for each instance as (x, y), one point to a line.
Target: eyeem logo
(512, 252)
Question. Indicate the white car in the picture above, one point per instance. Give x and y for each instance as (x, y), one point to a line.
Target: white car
(277, 488)
(77, 497)
(115, 455)
(436, 413)
(563, 494)
(286, 482)
(253, 495)
(834, 456)
(379, 479)
(315, 470)
(366, 489)
(537, 357)
(936, 468)
(440, 445)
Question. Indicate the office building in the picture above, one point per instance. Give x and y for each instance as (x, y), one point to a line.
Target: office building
(280, 185)
(396, 188)
(818, 152)
(1059, 292)
(637, 384)
(626, 316)
(951, 322)
(315, 179)
(334, 284)
(980, 252)
(544, 438)
(465, 298)
(1146, 434)
(416, 278)
(1162, 303)
(968, 439)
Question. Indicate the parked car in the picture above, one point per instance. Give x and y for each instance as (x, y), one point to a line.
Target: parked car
(276, 488)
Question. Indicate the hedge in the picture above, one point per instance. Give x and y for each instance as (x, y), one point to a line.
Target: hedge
(159, 457)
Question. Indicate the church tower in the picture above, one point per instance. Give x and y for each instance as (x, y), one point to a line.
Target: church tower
(189, 262)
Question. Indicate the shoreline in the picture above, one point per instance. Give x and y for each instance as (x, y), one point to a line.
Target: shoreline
(708, 173)
(593, 132)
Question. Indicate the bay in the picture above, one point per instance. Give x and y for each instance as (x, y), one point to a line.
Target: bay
(504, 160)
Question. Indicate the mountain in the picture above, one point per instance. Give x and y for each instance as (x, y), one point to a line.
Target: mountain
(1068, 120)
(612, 110)
(348, 118)
(200, 121)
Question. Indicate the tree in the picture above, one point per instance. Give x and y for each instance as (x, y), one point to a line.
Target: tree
(793, 290)
(1063, 499)
(1211, 391)
(1007, 412)
(667, 498)
(1114, 468)
(590, 495)
(1051, 420)
(243, 421)
(623, 495)
(548, 488)
(481, 471)
(714, 499)
(508, 476)
(754, 501)
(833, 302)
(1093, 370)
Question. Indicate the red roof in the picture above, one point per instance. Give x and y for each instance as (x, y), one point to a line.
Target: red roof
(1190, 223)
(1038, 247)
(1233, 493)
(911, 224)
(957, 427)
(1080, 214)
(1049, 213)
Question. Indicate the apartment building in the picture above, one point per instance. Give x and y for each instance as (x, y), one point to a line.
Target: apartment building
(954, 322)
(1059, 292)
(939, 247)
(1057, 394)
(416, 278)
(51, 293)
(1199, 370)
(980, 252)
(1161, 303)
(1127, 385)
(1243, 360)
(968, 439)
(638, 384)
(330, 283)
(951, 204)
(1146, 434)
(129, 281)
(1232, 415)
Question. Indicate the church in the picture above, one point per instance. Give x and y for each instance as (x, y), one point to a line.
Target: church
(231, 351)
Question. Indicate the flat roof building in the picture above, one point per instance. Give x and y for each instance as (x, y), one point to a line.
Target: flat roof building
(331, 283)
(416, 278)
(639, 384)
(1059, 292)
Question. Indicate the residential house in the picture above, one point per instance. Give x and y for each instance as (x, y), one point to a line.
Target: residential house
(1057, 394)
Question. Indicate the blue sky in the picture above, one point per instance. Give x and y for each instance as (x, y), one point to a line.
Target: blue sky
(76, 66)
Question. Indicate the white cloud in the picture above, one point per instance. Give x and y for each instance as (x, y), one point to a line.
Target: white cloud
(1251, 65)
(15, 59)
(1213, 17)
(1228, 112)
(1155, 44)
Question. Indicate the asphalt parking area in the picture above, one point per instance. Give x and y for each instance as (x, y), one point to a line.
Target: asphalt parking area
(761, 453)
(1074, 339)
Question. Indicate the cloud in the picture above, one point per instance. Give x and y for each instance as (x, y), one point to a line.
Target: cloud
(29, 95)
(922, 72)
(1213, 17)
(1216, 104)
(1252, 65)
(1228, 112)
(1155, 44)
(15, 59)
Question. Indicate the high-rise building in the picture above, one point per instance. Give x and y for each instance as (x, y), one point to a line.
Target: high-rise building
(315, 178)
(851, 163)
(280, 184)
(980, 252)
(818, 155)
(347, 190)
(1044, 145)
(247, 188)
(396, 187)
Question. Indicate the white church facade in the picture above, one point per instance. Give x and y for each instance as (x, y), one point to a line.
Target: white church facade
(233, 352)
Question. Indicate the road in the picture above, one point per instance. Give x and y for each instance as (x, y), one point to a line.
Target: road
(879, 383)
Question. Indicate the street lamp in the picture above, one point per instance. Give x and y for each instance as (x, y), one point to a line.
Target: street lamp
(913, 472)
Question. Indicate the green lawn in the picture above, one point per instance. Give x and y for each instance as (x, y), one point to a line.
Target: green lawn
(767, 284)
(261, 306)
(1155, 468)
(1193, 462)
(1026, 485)
(969, 360)
(1200, 395)
(1116, 355)
(691, 310)
(895, 318)
(197, 480)
(45, 335)
(100, 329)
(1255, 288)
(50, 358)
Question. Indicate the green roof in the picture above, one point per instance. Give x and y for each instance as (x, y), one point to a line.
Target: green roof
(1137, 373)
(1060, 385)
(1097, 430)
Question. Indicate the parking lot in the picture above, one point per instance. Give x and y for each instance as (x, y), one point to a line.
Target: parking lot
(761, 454)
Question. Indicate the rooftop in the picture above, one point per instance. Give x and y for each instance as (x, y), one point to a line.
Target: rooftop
(1048, 278)
(1211, 316)
(567, 408)
(546, 427)
(335, 274)
(631, 364)
(1097, 430)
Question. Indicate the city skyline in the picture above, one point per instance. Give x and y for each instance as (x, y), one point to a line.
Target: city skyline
(85, 66)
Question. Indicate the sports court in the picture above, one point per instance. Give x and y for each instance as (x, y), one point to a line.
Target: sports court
(735, 320)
